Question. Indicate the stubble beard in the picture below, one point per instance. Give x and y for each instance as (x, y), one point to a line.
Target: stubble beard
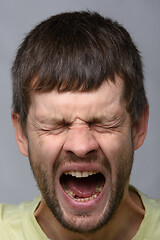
(47, 188)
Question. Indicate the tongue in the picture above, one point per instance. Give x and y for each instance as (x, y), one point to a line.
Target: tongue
(82, 187)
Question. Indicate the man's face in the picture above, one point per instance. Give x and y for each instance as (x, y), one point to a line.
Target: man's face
(81, 153)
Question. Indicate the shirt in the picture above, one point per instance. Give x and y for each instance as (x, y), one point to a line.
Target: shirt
(19, 223)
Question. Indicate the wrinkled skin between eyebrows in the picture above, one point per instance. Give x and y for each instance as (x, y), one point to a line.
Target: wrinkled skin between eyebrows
(80, 132)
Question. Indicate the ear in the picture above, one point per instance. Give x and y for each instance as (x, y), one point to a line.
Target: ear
(139, 129)
(21, 139)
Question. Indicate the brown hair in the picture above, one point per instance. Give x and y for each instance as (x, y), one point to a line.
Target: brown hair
(77, 51)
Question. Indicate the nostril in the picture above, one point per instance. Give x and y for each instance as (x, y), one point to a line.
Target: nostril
(92, 152)
(85, 155)
(88, 158)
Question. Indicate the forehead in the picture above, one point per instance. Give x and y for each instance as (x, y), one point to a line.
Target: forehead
(107, 99)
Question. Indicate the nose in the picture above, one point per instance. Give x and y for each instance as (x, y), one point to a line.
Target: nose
(80, 141)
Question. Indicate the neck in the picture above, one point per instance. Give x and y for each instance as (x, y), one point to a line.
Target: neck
(124, 224)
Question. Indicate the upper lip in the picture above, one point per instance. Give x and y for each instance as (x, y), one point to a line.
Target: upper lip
(82, 168)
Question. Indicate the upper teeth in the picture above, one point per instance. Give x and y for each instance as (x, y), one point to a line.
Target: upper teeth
(80, 174)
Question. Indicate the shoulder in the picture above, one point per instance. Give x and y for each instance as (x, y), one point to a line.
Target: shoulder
(11, 219)
(150, 226)
(152, 206)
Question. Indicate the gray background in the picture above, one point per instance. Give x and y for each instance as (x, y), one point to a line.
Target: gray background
(17, 17)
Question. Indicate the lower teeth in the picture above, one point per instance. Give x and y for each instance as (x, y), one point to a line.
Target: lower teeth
(73, 196)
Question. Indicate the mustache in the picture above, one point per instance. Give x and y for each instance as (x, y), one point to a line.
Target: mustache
(69, 158)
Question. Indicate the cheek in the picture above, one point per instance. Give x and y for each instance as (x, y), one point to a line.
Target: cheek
(119, 152)
(45, 149)
(114, 145)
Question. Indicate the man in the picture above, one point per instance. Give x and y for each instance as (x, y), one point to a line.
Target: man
(79, 112)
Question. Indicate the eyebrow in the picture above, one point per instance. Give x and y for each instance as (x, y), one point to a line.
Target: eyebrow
(51, 121)
(105, 119)
(102, 119)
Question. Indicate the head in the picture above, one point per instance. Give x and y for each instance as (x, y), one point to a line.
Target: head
(77, 52)
(85, 72)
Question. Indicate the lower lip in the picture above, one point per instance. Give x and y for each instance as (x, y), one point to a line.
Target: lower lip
(86, 205)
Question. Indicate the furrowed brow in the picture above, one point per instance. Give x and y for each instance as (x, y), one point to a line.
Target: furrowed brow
(105, 119)
(52, 121)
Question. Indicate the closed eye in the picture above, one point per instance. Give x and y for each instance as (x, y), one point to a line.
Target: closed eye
(102, 128)
(108, 126)
(51, 130)
(55, 130)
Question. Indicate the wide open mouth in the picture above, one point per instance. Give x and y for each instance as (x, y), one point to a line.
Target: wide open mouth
(82, 186)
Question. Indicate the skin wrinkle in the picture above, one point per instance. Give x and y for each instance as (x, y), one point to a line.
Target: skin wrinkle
(47, 126)
(57, 116)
